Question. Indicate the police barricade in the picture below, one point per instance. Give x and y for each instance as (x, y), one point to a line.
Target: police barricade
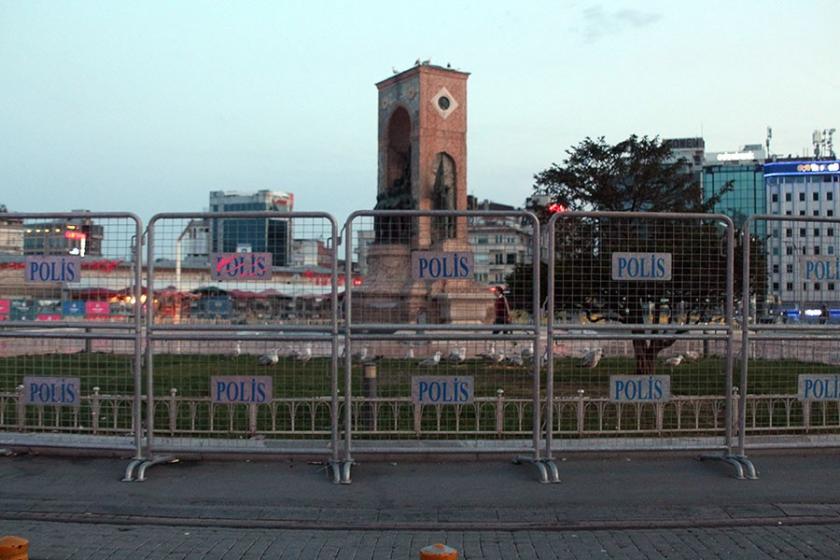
(441, 342)
(791, 321)
(642, 331)
(70, 331)
(241, 354)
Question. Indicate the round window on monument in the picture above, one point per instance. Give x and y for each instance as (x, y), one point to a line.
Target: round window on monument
(443, 102)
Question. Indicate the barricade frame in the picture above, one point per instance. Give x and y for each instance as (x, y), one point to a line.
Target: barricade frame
(136, 470)
(755, 331)
(743, 468)
(128, 331)
(547, 471)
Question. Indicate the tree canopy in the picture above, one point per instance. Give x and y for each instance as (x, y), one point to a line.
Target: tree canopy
(637, 174)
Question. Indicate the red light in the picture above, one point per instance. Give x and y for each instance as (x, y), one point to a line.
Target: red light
(74, 235)
(357, 281)
(556, 208)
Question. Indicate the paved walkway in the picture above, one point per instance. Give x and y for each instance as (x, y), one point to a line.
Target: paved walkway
(617, 507)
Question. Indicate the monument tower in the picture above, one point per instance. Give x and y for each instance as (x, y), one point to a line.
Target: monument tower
(422, 157)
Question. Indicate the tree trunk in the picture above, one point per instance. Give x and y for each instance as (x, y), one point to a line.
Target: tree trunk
(646, 352)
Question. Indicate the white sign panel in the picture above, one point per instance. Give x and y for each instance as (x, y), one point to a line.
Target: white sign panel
(53, 269)
(815, 268)
(246, 389)
(442, 389)
(432, 265)
(54, 391)
(640, 388)
(641, 266)
(815, 387)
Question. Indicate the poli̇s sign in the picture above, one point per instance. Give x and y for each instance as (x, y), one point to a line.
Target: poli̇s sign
(641, 266)
(53, 269)
(432, 265)
(55, 391)
(241, 389)
(824, 387)
(640, 388)
(814, 268)
(442, 389)
(240, 266)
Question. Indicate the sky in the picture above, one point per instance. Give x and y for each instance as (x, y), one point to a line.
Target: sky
(148, 106)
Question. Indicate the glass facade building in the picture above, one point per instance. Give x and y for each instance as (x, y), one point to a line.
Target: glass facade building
(270, 235)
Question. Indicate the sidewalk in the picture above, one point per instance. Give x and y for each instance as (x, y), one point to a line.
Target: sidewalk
(607, 498)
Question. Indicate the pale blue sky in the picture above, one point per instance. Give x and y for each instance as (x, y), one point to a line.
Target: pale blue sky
(147, 106)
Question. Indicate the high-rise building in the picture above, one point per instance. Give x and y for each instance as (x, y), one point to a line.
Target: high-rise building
(270, 235)
(11, 233)
(72, 236)
(803, 189)
(744, 170)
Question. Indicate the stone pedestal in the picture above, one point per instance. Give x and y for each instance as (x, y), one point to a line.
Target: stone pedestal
(390, 295)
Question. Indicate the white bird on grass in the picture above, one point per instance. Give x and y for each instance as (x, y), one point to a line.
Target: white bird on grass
(514, 360)
(269, 358)
(692, 355)
(457, 355)
(237, 349)
(489, 355)
(527, 353)
(302, 356)
(591, 358)
(431, 361)
(361, 355)
(674, 361)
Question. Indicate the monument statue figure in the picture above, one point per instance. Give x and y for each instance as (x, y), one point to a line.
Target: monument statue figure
(395, 229)
(443, 197)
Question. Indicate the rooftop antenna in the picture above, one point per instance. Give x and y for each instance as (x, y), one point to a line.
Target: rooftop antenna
(816, 142)
(828, 135)
(767, 141)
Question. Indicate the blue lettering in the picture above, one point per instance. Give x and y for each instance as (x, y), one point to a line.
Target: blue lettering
(657, 387)
(434, 392)
(465, 268)
(424, 265)
(622, 266)
(434, 268)
(660, 267)
(423, 390)
(71, 392)
(260, 392)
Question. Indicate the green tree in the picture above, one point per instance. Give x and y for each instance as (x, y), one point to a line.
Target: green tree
(635, 175)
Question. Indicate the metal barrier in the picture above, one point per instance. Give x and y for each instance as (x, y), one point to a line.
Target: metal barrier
(434, 362)
(641, 333)
(789, 332)
(70, 331)
(242, 337)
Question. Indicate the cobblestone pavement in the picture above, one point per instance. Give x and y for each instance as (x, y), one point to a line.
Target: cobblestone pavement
(75, 541)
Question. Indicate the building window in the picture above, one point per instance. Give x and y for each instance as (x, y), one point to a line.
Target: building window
(787, 212)
(830, 232)
(788, 250)
(789, 232)
(802, 232)
(804, 286)
(499, 258)
(789, 268)
(816, 212)
(831, 286)
(789, 286)
(802, 197)
(830, 249)
(511, 258)
(816, 286)
(816, 232)
(816, 197)
(802, 212)
(775, 197)
(816, 249)
(775, 269)
(787, 197)
(804, 250)
(829, 195)
(829, 213)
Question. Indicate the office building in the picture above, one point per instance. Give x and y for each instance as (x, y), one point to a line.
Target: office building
(803, 189)
(270, 235)
(744, 169)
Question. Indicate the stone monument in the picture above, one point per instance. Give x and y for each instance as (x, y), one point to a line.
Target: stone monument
(422, 166)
